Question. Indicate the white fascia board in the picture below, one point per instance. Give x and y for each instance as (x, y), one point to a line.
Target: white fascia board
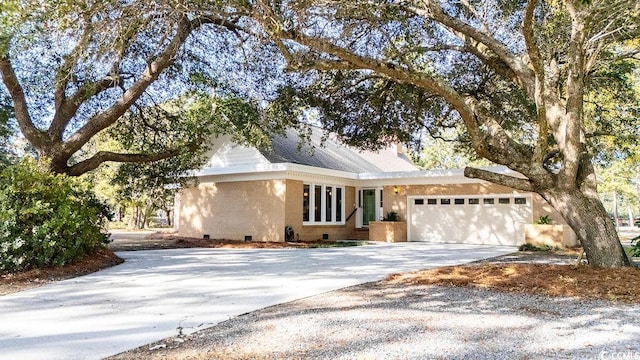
(429, 177)
(276, 171)
(416, 178)
(311, 173)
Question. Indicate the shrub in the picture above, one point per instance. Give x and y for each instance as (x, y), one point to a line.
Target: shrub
(531, 247)
(543, 220)
(392, 216)
(635, 250)
(46, 219)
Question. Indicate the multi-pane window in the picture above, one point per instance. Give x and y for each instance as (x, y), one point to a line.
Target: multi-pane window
(317, 204)
(322, 204)
(339, 204)
(328, 191)
(305, 202)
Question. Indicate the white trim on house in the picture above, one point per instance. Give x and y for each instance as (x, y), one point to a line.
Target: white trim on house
(277, 171)
(323, 209)
(270, 171)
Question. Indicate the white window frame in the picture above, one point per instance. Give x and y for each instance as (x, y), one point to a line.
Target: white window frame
(323, 208)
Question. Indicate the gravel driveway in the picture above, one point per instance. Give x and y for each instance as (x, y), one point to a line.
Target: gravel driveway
(382, 321)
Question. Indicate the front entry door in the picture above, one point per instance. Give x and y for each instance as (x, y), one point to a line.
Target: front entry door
(368, 206)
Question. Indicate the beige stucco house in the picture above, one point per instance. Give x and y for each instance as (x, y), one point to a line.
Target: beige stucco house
(326, 190)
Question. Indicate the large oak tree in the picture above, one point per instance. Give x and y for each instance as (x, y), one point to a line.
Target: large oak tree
(514, 74)
(75, 69)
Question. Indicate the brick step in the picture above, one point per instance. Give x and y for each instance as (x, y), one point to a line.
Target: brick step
(359, 234)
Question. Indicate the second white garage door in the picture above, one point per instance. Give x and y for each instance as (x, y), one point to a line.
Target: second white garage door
(495, 220)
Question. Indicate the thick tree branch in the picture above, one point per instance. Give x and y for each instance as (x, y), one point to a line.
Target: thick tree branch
(472, 10)
(517, 183)
(522, 75)
(101, 157)
(104, 156)
(298, 64)
(540, 81)
(395, 72)
(21, 108)
(569, 131)
(65, 71)
(495, 144)
(162, 61)
(529, 38)
(68, 108)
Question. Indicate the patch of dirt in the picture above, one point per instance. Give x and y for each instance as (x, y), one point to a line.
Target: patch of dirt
(582, 282)
(103, 258)
(171, 241)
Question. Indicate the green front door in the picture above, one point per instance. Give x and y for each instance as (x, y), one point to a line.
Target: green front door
(368, 206)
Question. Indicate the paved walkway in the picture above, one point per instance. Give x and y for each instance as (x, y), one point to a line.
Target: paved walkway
(156, 294)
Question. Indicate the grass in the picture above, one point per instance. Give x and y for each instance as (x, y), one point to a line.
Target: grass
(335, 244)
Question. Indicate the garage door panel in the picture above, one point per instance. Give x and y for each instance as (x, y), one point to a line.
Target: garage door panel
(475, 223)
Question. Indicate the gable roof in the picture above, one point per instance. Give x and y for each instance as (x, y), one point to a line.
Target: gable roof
(332, 154)
(329, 154)
(333, 162)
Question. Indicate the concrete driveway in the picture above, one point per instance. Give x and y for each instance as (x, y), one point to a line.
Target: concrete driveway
(156, 294)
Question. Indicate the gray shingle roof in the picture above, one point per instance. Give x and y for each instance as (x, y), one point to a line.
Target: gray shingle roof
(331, 154)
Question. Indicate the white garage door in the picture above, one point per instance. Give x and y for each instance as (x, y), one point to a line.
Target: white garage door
(496, 220)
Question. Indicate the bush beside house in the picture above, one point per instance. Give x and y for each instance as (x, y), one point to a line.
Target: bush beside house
(46, 219)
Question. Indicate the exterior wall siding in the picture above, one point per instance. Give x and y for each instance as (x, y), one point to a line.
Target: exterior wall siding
(234, 210)
(262, 208)
(224, 153)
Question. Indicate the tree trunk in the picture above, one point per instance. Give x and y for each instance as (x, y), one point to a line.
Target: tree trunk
(591, 223)
(615, 208)
(638, 190)
(138, 217)
(142, 217)
(168, 213)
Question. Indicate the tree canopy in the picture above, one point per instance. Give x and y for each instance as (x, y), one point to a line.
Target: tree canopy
(514, 74)
(76, 69)
(541, 87)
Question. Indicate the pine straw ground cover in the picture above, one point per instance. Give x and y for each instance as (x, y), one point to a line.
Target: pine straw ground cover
(618, 285)
(170, 241)
(103, 258)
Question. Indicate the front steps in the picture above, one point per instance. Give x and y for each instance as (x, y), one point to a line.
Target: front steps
(359, 234)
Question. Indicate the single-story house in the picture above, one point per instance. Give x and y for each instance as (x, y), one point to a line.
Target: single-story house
(327, 190)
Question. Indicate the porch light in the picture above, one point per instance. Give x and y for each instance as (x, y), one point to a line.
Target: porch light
(395, 189)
